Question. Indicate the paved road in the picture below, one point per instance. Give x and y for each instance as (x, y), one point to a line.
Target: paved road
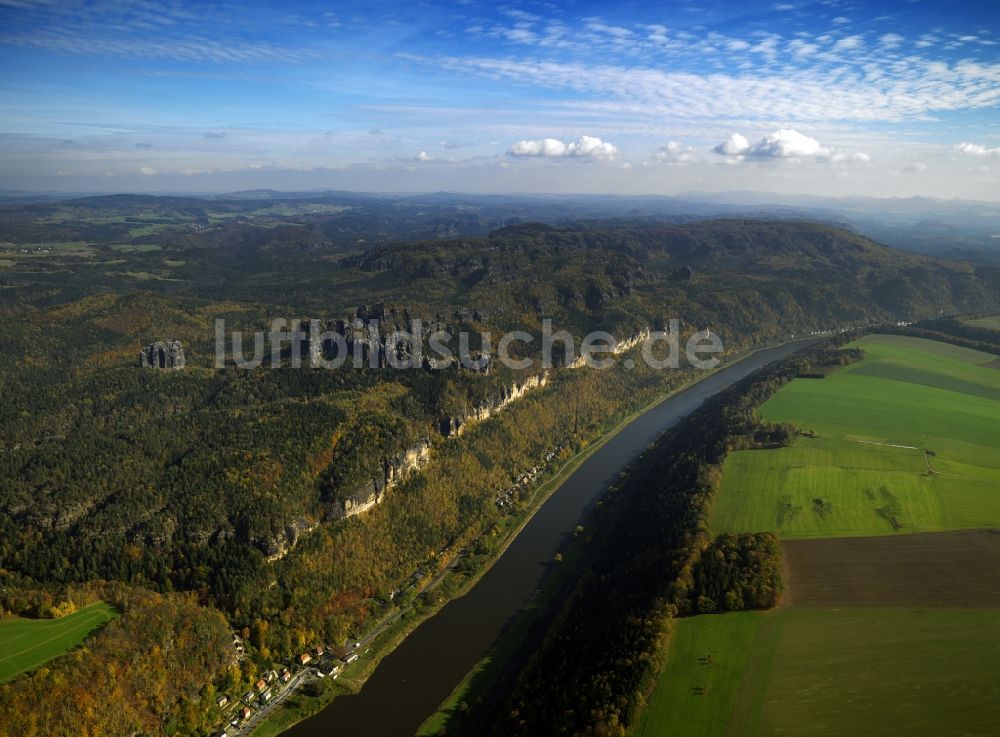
(261, 713)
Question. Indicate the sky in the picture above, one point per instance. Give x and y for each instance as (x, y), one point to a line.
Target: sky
(830, 98)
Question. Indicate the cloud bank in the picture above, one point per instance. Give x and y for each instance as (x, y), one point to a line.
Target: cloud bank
(786, 143)
(586, 147)
(976, 149)
(674, 152)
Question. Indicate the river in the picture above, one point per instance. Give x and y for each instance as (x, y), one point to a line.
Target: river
(412, 681)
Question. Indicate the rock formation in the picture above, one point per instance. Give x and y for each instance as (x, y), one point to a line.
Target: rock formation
(278, 546)
(167, 354)
(393, 472)
(455, 425)
(621, 347)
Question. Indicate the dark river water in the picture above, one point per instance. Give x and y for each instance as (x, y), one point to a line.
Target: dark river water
(412, 681)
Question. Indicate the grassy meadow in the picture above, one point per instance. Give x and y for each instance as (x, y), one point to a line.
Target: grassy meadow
(27, 643)
(821, 671)
(992, 323)
(866, 472)
(697, 690)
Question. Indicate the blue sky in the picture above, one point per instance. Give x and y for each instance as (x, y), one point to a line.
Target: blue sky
(832, 97)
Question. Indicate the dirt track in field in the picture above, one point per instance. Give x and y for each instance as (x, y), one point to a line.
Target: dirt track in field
(952, 569)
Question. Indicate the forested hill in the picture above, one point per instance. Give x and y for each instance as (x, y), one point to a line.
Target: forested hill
(830, 268)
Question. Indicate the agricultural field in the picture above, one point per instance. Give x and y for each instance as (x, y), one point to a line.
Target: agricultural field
(698, 687)
(888, 509)
(905, 441)
(896, 635)
(820, 671)
(27, 643)
(954, 569)
(872, 671)
(992, 323)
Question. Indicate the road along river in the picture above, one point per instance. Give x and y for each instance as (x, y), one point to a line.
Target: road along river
(412, 681)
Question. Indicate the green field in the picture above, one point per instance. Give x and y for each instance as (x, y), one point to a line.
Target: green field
(27, 643)
(809, 671)
(850, 479)
(694, 696)
(993, 323)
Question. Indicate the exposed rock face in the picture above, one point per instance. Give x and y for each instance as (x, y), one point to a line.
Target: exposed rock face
(167, 354)
(630, 343)
(621, 346)
(394, 471)
(455, 425)
(684, 273)
(278, 546)
(369, 338)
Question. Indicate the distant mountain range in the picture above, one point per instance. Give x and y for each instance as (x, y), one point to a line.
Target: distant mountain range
(964, 229)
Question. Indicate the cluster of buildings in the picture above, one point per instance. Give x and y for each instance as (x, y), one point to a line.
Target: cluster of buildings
(506, 496)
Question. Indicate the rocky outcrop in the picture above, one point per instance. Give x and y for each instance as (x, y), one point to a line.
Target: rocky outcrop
(622, 346)
(684, 273)
(166, 354)
(368, 338)
(393, 472)
(279, 546)
(365, 337)
(456, 424)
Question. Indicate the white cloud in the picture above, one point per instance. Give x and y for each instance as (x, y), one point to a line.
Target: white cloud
(917, 166)
(521, 35)
(674, 152)
(735, 145)
(848, 43)
(424, 156)
(786, 143)
(616, 31)
(589, 147)
(846, 157)
(977, 149)
(147, 171)
(906, 89)
(801, 48)
(890, 40)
